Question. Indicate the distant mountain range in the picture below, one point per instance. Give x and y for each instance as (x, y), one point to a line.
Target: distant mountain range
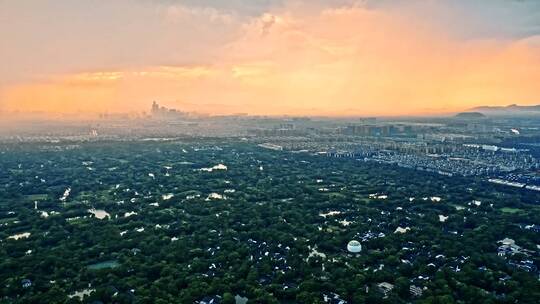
(508, 110)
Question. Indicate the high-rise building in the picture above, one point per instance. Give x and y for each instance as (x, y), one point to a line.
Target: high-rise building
(165, 113)
(155, 107)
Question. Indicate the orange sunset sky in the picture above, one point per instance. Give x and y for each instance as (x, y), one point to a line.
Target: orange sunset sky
(268, 57)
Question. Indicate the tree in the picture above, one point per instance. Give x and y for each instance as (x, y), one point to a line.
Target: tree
(228, 298)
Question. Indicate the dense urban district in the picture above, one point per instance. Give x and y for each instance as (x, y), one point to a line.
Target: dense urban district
(202, 220)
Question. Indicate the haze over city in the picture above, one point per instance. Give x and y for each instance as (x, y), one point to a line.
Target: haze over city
(275, 57)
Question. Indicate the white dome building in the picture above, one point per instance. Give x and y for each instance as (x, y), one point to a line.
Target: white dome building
(354, 246)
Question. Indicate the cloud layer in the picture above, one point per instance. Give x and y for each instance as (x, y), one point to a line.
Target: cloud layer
(271, 57)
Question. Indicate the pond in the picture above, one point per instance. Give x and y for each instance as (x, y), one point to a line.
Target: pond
(104, 265)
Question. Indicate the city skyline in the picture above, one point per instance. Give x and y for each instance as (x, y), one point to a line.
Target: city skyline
(320, 58)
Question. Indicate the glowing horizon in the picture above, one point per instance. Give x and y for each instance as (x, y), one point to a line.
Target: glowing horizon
(350, 58)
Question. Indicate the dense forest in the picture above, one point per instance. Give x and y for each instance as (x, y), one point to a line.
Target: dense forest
(225, 220)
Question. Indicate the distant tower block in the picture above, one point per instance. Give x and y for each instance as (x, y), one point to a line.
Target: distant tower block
(155, 107)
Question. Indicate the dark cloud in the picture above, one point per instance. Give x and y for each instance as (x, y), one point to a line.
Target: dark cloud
(267, 22)
(241, 7)
(468, 19)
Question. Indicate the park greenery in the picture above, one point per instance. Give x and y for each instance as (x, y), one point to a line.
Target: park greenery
(178, 221)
